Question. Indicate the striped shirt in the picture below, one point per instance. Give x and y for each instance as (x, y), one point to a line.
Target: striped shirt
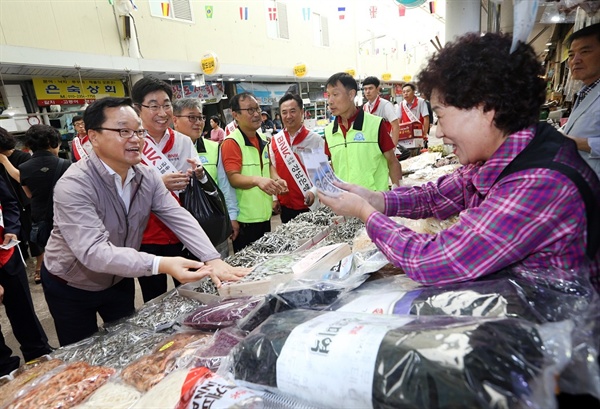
(533, 219)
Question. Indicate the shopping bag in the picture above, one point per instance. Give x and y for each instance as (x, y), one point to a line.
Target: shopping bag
(208, 208)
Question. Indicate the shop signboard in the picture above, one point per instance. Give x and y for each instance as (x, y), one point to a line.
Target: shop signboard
(72, 91)
(386, 76)
(210, 94)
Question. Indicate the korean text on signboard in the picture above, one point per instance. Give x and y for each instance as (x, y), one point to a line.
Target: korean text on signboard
(72, 91)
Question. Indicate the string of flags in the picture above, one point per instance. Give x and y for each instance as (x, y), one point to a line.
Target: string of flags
(244, 12)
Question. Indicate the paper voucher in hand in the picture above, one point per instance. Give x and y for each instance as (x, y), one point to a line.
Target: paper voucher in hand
(320, 172)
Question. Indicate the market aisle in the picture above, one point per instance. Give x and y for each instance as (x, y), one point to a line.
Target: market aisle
(41, 308)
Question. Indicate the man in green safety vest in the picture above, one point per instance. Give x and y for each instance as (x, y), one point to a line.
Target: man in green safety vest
(359, 144)
(246, 161)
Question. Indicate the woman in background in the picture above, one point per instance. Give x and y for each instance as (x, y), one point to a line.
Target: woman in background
(217, 133)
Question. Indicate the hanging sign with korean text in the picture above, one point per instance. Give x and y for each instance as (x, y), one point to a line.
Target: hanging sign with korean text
(209, 63)
(72, 91)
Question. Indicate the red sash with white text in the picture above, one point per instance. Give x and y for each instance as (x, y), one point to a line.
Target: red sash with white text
(155, 158)
(291, 161)
(78, 150)
(407, 114)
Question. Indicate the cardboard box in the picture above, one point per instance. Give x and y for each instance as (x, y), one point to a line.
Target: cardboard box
(411, 143)
(410, 130)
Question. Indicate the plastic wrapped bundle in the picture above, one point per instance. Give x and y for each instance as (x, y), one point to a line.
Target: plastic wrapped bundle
(224, 314)
(116, 349)
(65, 389)
(24, 376)
(222, 343)
(112, 395)
(163, 312)
(416, 362)
(177, 352)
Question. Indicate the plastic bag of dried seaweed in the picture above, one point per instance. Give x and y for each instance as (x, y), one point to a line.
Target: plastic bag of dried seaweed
(361, 360)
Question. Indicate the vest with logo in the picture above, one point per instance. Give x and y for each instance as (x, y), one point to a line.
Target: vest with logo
(208, 153)
(357, 158)
(255, 205)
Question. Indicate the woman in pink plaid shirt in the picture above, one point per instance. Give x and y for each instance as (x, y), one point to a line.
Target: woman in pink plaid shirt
(525, 197)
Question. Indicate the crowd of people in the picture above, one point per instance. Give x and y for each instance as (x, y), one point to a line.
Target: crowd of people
(526, 194)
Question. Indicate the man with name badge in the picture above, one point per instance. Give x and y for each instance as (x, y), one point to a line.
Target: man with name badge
(380, 107)
(246, 161)
(358, 143)
(284, 151)
(188, 120)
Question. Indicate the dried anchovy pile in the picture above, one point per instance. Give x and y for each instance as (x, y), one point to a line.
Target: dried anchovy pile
(320, 217)
(115, 349)
(299, 229)
(206, 286)
(344, 232)
(164, 313)
(247, 257)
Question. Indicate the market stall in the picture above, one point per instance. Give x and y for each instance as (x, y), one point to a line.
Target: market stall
(323, 321)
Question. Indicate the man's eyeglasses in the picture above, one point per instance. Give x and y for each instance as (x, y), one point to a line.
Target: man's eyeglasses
(156, 107)
(251, 111)
(125, 133)
(192, 118)
(78, 124)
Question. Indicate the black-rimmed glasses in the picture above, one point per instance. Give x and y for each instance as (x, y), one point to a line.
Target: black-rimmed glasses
(156, 107)
(192, 118)
(125, 133)
(251, 111)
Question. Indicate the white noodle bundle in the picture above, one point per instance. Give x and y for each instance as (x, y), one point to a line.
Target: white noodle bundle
(165, 394)
(112, 395)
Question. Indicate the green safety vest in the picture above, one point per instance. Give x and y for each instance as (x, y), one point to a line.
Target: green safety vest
(209, 156)
(357, 158)
(255, 205)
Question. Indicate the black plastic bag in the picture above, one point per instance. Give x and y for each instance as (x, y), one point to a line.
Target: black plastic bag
(208, 208)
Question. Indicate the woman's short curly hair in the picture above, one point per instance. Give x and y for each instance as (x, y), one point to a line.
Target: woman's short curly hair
(476, 70)
(41, 137)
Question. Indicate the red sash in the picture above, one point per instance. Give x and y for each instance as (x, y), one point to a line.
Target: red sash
(76, 153)
(374, 108)
(405, 117)
(156, 231)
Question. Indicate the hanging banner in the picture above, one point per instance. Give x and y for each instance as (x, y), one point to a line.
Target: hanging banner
(211, 94)
(351, 72)
(386, 76)
(72, 91)
(265, 94)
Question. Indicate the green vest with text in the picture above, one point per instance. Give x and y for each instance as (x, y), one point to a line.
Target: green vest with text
(210, 158)
(357, 158)
(255, 205)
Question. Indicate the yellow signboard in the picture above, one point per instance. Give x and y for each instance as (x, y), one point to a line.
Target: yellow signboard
(352, 72)
(300, 70)
(386, 76)
(209, 63)
(407, 78)
(72, 91)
